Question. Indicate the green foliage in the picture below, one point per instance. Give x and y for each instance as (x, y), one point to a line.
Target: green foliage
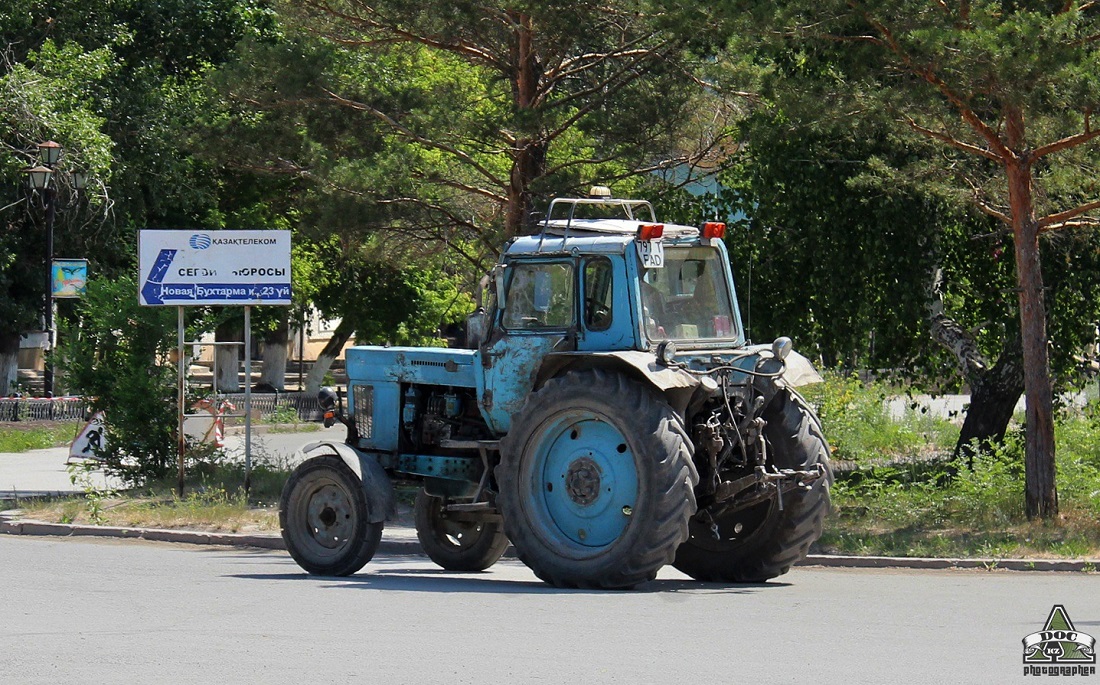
(121, 86)
(402, 305)
(1078, 436)
(427, 120)
(49, 95)
(959, 509)
(221, 482)
(1005, 92)
(80, 475)
(118, 358)
(859, 426)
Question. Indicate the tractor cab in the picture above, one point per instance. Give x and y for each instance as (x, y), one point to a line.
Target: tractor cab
(603, 275)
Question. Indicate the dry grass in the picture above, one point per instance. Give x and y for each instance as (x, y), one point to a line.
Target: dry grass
(1075, 535)
(206, 512)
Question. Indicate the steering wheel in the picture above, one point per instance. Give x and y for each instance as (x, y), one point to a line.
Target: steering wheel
(596, 312)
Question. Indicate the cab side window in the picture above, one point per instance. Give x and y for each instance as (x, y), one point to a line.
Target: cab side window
(540, 296)
(598, 293)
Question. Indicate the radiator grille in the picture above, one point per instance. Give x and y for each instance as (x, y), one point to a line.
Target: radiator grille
(364, 410)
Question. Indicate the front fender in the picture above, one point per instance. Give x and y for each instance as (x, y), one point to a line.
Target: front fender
(381, 497)
(800, 371)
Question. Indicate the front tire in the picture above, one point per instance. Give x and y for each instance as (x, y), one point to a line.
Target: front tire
(462, 546)
(596, 481)
(761, 542)
(323, 517)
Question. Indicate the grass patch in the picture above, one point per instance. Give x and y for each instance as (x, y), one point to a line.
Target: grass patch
(952, 510)
(860, 429)
(891, 497)
(212, 511)
(26, 435)
(286, 420)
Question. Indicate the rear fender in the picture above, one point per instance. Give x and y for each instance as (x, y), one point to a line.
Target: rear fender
(381, 497)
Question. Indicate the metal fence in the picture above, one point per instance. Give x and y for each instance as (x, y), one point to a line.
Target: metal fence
(271, 405)
(42, 409)
(267, 405)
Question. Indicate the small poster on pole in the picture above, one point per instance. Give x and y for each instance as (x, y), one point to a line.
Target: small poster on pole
(69, 278)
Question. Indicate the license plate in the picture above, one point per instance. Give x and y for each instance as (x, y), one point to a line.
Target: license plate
(652, 253)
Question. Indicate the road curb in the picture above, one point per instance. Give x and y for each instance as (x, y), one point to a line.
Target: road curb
(409, 546)
(191, 537)
(1061, 565)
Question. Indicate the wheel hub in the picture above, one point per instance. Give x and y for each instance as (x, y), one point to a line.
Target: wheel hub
(582, 481)
(328, 516)
(586, 478)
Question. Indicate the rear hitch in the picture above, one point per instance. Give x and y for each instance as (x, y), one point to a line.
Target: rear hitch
(760, 485)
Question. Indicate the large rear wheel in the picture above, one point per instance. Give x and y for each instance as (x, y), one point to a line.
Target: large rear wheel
(762, 541)
(323, 517)
(596, 481)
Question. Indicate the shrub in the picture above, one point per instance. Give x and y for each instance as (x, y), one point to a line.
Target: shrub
(118, 358)
(859, 427)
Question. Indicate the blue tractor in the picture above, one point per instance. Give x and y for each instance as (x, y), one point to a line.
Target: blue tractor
(609, 419)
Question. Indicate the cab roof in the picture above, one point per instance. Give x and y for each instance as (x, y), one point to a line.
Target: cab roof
(589, 236)
(567, 229)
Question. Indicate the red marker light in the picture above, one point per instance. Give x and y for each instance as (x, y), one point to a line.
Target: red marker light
(714, 229)
(651, 231)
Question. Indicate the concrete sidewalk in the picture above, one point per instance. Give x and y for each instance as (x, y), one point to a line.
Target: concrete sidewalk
(43, 472)
(46, 472)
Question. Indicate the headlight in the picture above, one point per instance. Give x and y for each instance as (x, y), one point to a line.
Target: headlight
(782, 347)
(666, 352)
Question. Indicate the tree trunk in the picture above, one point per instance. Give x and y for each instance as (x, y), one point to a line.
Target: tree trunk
(9, 362)
(993, 397)
(276, 353)
(528, 152)
(227, 357)
(1039, 472)
(993, 391)
(328, 355)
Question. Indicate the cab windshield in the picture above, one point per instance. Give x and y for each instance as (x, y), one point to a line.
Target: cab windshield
(689, 298)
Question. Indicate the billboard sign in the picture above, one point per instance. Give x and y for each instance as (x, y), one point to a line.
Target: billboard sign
(188, 268)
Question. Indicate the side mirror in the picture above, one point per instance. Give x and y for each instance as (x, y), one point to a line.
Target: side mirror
(477, 328)
(498, 277)
(328, 398)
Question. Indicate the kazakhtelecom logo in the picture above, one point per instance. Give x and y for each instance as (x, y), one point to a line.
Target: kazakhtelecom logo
(199, 241)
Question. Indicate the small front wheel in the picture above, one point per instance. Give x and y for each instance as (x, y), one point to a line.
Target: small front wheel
(463, 546)
(324, 521)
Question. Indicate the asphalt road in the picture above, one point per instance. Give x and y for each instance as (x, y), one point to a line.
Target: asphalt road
(91, 611)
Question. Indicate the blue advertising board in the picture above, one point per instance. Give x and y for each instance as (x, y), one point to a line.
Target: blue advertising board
(189, 268)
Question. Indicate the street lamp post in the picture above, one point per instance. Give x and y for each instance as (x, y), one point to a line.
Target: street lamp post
(49, 153)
